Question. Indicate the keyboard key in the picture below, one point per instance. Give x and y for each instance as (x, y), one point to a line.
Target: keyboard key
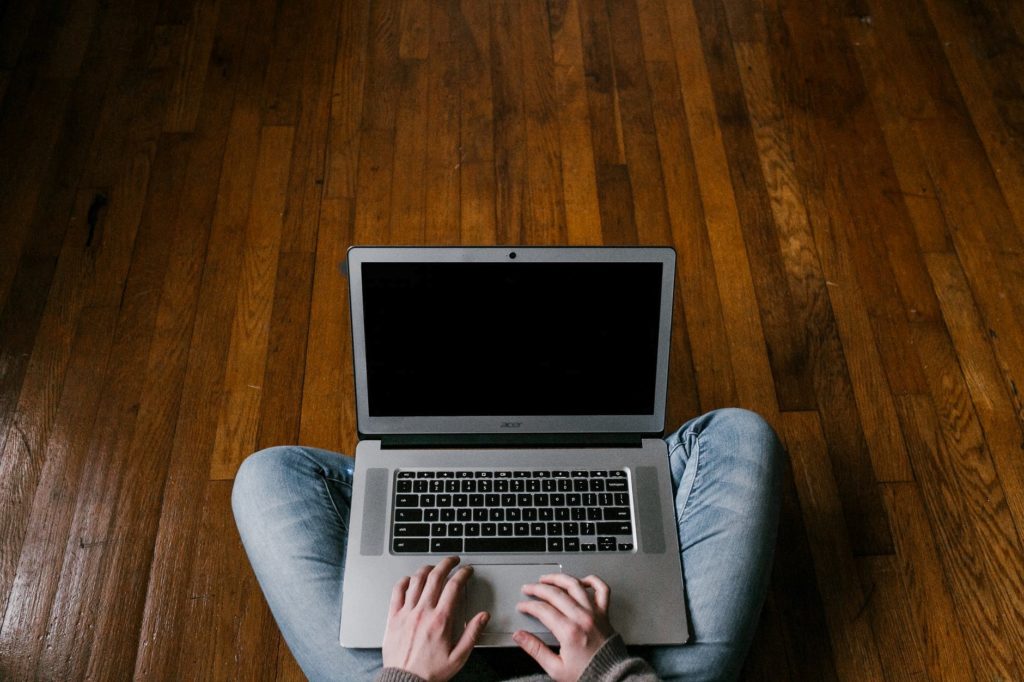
(472, 529)
(615, 528)
(589, 500)
(406, 500)
(536, 529)
(517, 486)
(492, 499)
(444, 500)
(580, 485)
(428, 500)
(463, 474)
(480, 514)
(593, 513)
(560, 474)
(557, 500)
(596, 485)
(431, 514)
(484, 474)
(446, 545)
(621, 499)
(437, 486)
(496, 514)
(554, 528)
(580, 474)
(501, 486)
(618, 473)
(588, 547)
(485, 486)
(513, 514)
(420, 486)
(572, 544)
(588, 529)
(451, 486)
(460, 500)
(549, 486)
(565, 485)
(408, 515)
(616, 513)
(513, 545)
(446, 474)
(404, 486)
(578, 513)
(402, 545)
(554, 544)
(467, 486)
(455, 529)
(505, 529)
(616, 485)
(448, 514)
(489, 529)
(542, 474)
(521, 474)
(412, 529)
(601, 473)
(606, 544)
(540, 500)
(625, 547)
(547, 514)
(524, 500)
(476, 500)
(438, 530)
(522, 529)
(464, 514)
(530, 514)
(508, 500)
(407, 474)
(562, 514)
(503, 474)
(533, 486)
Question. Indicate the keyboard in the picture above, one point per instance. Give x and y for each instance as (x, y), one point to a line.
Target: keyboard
(466, 511)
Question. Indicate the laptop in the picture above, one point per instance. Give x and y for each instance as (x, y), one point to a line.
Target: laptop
(510, 404)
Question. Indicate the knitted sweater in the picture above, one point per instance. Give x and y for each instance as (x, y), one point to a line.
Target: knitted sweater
(611, 663)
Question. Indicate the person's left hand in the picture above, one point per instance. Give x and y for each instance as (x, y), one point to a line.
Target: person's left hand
(418, 635)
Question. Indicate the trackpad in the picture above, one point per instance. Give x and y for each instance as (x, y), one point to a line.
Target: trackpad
(496, 588)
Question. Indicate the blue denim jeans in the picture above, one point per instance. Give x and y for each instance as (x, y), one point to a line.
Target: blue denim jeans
(291, 505)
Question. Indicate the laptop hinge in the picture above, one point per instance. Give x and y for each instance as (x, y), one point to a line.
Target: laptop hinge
(521, 440)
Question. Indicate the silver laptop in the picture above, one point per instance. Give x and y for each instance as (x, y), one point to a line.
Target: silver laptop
(510, 405)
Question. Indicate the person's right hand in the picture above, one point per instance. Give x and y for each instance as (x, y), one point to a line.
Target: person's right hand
(578, 620)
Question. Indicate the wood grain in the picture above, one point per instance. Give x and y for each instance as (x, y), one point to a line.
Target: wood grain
(180, 181)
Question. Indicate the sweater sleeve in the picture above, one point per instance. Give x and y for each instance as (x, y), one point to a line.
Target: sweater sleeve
(397, 675)
(612, 663)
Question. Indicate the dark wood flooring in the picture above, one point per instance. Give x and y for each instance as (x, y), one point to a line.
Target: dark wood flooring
(843, 181)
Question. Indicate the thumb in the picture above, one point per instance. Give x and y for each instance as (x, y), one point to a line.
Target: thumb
(538, 651)
(464, 647)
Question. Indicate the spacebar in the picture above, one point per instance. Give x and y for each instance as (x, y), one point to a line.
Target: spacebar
(505, 545)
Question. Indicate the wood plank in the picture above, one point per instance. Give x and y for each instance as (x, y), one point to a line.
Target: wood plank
(977, 609)
(328, 410)
(408, 191)
(965, 465)
(889, 609)
(545, 209)
(47, 516)
(856, 654)
(936, 622)
(186, 93)
(510, 159)
(477, 210)
(238, 417)
(346, 107)
(443, 120)
(579, 182)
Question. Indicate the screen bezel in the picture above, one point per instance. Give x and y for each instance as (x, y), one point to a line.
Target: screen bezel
(523, 424)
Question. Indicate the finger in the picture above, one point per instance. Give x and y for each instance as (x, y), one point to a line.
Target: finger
(570, 585)
(555, 596)
(436, 578)
(602, 593)
(398, 596)
(539, 652)
(453, 589)
(550, 617)
(412, 597)
(470, 636)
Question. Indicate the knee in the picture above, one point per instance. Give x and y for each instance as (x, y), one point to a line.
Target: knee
(258, 476)
(750, 436)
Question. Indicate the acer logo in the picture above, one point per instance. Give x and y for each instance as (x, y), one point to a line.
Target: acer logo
(511, 425)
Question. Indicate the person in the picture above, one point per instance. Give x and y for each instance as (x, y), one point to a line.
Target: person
(291, 506)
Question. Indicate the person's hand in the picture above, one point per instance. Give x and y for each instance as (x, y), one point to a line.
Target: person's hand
(578, 620)
(418, 635)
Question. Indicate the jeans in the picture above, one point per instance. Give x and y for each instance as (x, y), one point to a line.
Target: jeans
(291, 505)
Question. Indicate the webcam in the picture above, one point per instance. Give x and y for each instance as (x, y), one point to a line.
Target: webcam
(512, 255)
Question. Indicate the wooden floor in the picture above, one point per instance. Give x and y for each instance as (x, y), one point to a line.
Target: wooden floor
(843, 181)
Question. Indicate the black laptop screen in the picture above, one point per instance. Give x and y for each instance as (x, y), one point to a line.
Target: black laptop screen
(453, 339)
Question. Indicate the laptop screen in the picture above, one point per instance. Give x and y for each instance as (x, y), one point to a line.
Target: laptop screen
(445, 339)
